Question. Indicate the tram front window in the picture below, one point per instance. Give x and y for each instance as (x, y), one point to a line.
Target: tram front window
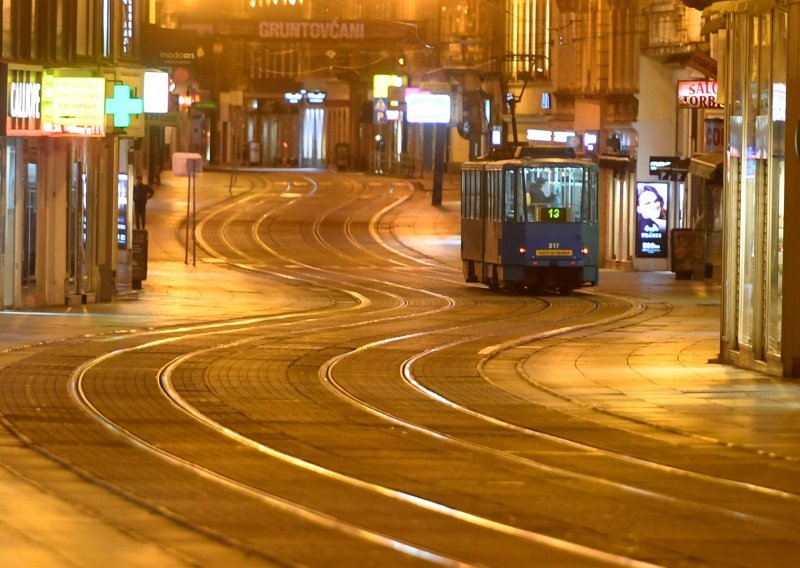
(553, 186)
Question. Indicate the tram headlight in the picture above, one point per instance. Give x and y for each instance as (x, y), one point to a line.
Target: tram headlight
(522, 250)
(585, 251)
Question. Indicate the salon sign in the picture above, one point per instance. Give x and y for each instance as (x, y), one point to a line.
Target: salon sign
(698, 94)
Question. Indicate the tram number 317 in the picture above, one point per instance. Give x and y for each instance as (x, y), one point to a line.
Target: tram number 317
(554, 245)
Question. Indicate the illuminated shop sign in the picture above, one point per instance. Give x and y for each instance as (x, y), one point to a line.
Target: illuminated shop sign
(590, 141)
(73, 106)
(22, 100)
(24, 108)
(427, 108)
(560, 136)
(293, 98)
(127, 21)
(316, 97)
(660, 162)
(156, 92)
(312, 30)
(381, 84)
(698, 94)
(331, 32)
(123, 105)
(312, 97)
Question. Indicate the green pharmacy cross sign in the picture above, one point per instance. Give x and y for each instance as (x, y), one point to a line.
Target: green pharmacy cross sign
(122, 106)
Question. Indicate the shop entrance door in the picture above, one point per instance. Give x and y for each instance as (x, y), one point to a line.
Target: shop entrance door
(9, 226)
(29, 212)
(76, 237)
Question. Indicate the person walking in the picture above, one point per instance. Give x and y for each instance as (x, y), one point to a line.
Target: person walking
(141, 193)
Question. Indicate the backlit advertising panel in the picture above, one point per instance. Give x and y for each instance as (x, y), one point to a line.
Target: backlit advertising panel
(156, 92)
(73, 106)
(652, 228)
(427, 108)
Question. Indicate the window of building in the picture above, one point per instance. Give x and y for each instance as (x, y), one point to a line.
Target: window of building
(8, 46)
(84, 30)
(107, 33)
(128, 25)
(528, 38)
(777, 182)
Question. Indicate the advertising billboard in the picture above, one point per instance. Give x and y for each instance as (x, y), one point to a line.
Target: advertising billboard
(427, 108)
(652, 229)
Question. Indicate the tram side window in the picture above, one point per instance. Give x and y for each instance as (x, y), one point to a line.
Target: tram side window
(470, 190)
(522, 198)
(578, 184)
(464, 185)
(476, 195)
(508, 196)
(465, 178)
(490, 207)
(591, 190)
(498, 199)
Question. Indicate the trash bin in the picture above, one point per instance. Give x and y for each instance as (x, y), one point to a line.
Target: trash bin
(342, 157)
(682, 253)
(255, 152)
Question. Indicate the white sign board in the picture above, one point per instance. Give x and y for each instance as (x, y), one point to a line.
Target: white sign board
(185, 163)
(427, 108)
(156, 92)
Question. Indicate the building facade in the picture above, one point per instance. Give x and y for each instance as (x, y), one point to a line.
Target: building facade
(64, 167)
(757, 47)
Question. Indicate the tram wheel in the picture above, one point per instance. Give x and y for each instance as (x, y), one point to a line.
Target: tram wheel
(513, 287)
(565, 289)
(469, 271)
(493, 281)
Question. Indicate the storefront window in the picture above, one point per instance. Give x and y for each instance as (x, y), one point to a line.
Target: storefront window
(776, 184)
(742, 127)
(10, 223)
(754, 216)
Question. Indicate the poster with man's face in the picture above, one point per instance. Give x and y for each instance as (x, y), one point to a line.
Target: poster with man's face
(652, 228)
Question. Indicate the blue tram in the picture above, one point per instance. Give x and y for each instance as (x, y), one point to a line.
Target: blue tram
(530, 223)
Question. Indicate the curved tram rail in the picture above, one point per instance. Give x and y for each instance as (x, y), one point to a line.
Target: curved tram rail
(246, 461)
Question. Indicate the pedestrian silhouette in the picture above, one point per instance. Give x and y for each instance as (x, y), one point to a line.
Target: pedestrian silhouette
(141, 193)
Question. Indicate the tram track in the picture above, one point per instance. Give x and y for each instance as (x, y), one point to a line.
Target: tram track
(507, 425)
(368, 327)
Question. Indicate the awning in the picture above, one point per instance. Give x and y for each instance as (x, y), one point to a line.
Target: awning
(617, 162)
(676, 172)
(739, 7)
(714, 15)
(706, 165)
